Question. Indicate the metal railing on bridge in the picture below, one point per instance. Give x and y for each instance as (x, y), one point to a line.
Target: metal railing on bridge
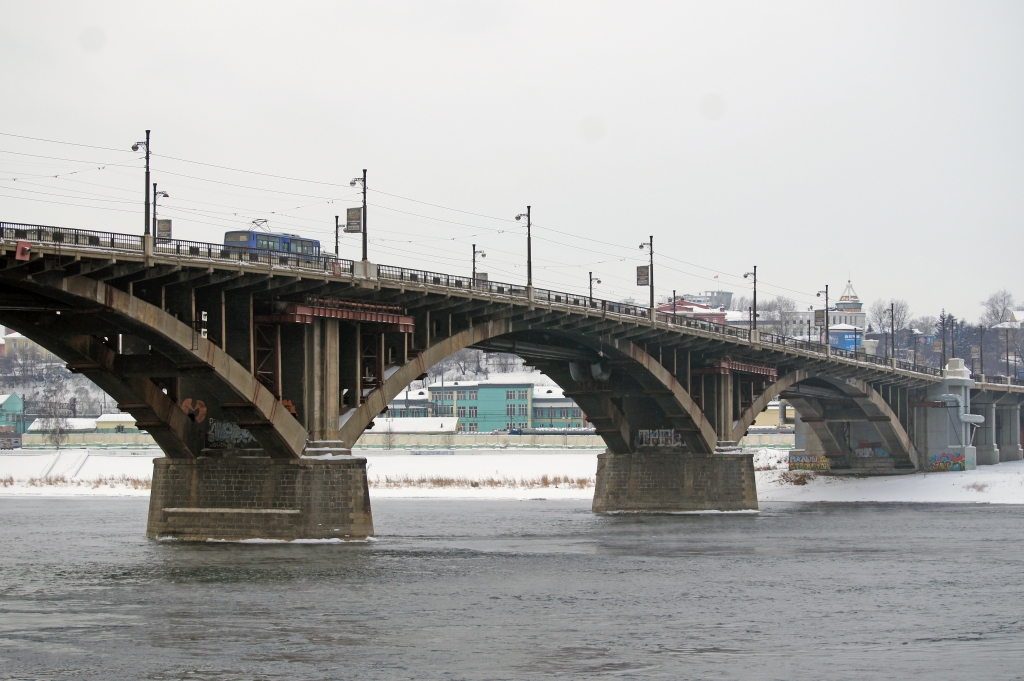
(330, 264)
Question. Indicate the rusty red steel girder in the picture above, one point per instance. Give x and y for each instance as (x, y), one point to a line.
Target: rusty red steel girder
(388, 316)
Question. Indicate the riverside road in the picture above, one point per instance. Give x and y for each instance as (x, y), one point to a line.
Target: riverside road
(520, 590)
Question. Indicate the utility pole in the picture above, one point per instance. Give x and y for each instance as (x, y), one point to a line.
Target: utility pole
(673, 306)
(529, 247)
(336, 226)
(754, 273)
(592, 280)
(649, 245)
(942, 357)
(981, 346)
(362, 180)
(892, 327)
(828, 341)
(364, 215)
(135, 147)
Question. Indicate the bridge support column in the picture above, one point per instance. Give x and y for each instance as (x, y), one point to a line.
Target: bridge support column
(985, 435)
(672, 479)
(234, 498)
(944, 438)
(1008, 432)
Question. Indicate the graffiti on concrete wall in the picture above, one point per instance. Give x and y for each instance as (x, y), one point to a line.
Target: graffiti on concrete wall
(947, 461)
(223, 434)
(659, 438)
(808, 462)
(871, 450)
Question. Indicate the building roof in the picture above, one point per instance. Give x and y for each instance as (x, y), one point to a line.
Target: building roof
(548, 392)
(517, 378)
(843, 327)
(4, 398)
(71, 425)
(429, 424)
(115, 418)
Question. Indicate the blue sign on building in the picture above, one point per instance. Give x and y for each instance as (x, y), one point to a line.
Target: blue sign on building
(847, 338)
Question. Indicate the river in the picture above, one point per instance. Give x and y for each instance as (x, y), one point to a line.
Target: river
(470, 589)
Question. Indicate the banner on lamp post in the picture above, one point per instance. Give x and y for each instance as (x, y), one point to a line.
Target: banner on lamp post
(354, 220)
(643, 275)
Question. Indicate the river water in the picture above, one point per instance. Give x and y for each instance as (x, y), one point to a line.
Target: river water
(520, 590)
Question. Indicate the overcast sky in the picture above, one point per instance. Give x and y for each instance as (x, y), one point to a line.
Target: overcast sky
(819, 141)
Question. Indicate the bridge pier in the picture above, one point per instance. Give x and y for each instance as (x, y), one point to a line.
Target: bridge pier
(234, 497)
(986, 449)
(674, 480)
(1008, 429)
(943, 422)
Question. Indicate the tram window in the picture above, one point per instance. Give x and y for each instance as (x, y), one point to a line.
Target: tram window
(236, 237)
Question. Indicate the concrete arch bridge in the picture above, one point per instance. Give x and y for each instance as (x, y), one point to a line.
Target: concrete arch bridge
(283, 360)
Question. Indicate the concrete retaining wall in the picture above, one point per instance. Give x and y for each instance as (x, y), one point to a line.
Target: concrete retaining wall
(237, 498)
(372, 440)
(674, 480)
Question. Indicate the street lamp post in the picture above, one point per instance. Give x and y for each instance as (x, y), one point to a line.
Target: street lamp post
(155, 195)
(828, 341)
(649, 245)
(362, 181)
(592, 280)
(337, 224)
(135, 147)
(529, 246)
(754, 274)
(475, 253)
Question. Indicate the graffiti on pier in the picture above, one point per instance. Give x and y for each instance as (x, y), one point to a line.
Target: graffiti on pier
(947, 461)
(871, 450)
(223, 435)
(659, 438)
(809, 462)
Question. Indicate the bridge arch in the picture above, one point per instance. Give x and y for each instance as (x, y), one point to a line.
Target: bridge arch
(93, 309)
(867, 406)
(604, 402)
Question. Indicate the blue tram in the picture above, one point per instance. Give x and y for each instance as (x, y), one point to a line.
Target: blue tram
(281, 243)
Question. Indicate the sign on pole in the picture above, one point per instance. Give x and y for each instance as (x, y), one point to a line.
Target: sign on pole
(643, 275)
(354, 220)
(975, 352)
(163, 230)
(819, 318)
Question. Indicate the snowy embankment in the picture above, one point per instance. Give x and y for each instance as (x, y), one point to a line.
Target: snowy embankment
(559, 474)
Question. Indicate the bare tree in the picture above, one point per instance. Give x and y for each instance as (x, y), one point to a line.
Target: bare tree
(742, 303)
(878, 316)
(775, 314)
(56, 394)
(389, 435)
(998, 308)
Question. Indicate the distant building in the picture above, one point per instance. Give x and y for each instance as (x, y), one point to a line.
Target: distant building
(695, 310)
(503, 402)
(16, 345)
(12, 414)
(552, 409)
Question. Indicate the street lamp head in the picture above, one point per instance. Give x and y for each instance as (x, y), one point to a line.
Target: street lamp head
(135, 147)
(643, 246)
(746, 274)
(597, 281)
(520, 217)
(482, 254)
(355, 181)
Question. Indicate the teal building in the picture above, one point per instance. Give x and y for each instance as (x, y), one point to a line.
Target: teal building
(500, 403)
(12, 418)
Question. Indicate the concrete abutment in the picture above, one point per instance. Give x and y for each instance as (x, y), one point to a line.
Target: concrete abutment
(671, 479)
(252, 497)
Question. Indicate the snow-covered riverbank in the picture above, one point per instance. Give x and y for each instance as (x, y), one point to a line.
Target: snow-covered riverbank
(484, 474)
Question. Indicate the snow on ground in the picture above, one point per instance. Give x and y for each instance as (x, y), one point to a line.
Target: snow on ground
(496, 474)
(999, 484)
